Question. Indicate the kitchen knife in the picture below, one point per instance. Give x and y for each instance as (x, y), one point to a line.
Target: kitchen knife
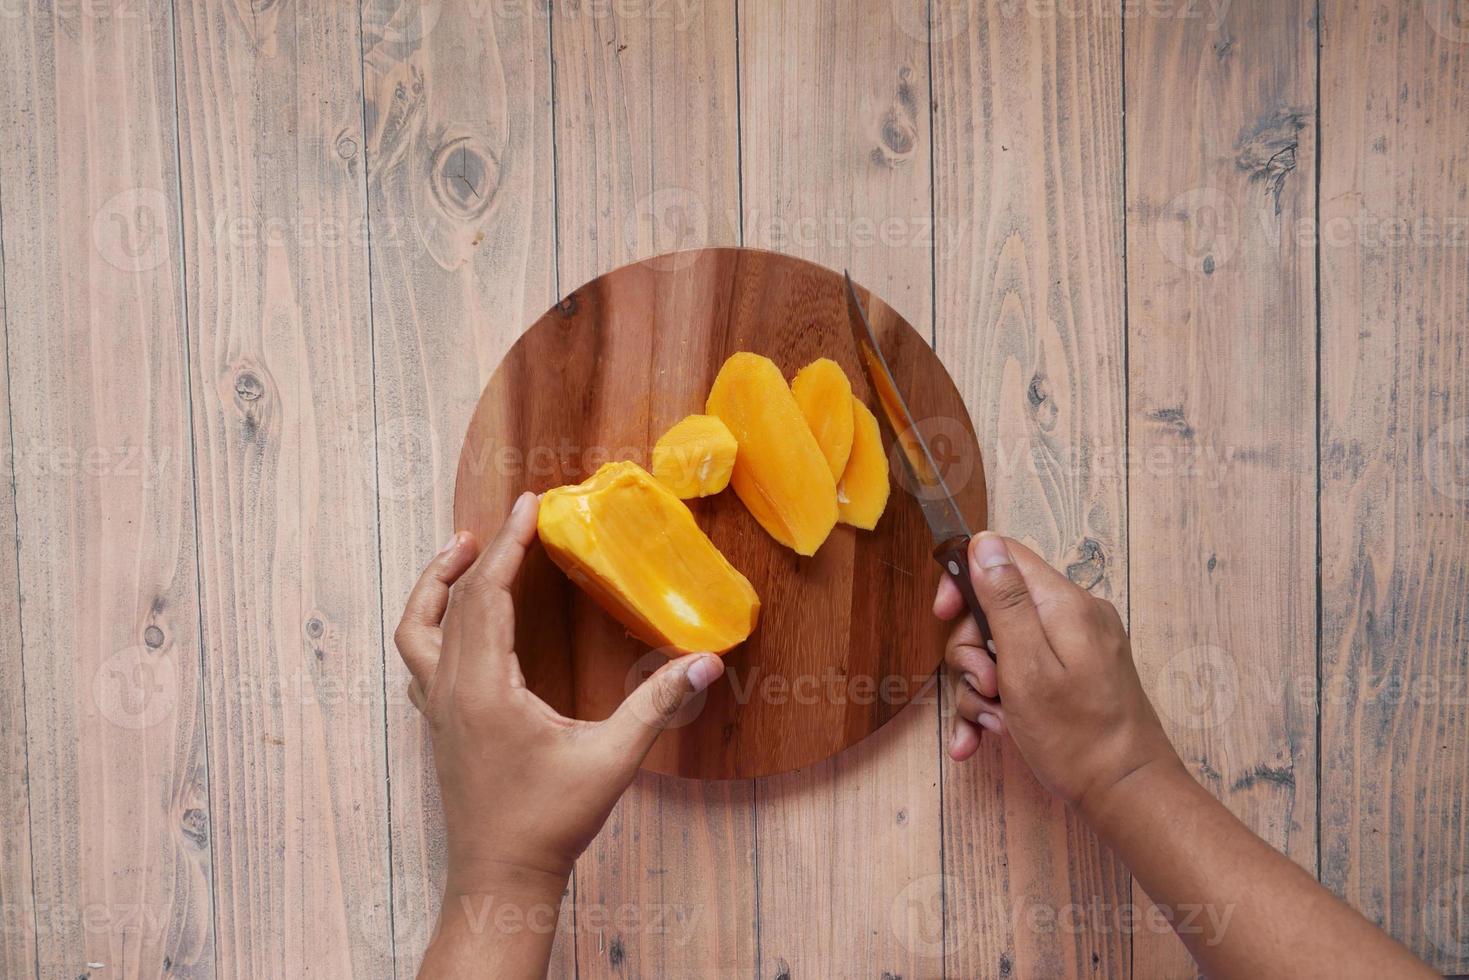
(950, 530)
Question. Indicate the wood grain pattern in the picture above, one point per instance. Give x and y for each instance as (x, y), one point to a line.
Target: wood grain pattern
(1394, 485)
(270, 117)
(836, 170)
(1028, 232)
(647, 136)
(120, 821)
(1221, 395)
(17, 903)
(459, 168)
(824, 668)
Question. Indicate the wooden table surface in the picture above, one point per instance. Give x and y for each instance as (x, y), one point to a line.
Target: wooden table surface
(260, 258)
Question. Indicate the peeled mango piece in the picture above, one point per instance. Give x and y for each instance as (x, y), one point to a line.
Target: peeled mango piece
(825, 396)
(695, 457)
(862, 495)
(633, 546)
(780, 473)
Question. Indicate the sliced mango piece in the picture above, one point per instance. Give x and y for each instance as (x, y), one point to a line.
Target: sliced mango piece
(695, 457)
(862, 495)
(780, 472)
(825, 396)
(635, 548)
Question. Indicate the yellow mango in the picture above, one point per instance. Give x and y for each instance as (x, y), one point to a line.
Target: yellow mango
(695, 457)
(780, 473)
(862, 495)
(825, 396)
(635, 548)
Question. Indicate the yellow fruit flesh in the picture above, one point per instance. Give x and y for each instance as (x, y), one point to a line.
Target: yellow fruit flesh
(862, 495)
(634, 547)
(695, 457)
(780, 473)
(825, 396)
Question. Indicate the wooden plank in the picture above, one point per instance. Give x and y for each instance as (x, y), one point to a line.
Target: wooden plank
(270, 117)
(17, 903)
(118, 788)
(1221, 342)
(648, 162)
(459, 167)
(836, 169)
(1028, 232)
(1394, 432)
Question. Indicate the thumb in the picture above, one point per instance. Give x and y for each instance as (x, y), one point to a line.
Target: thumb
(1007, 602)
(653, 706)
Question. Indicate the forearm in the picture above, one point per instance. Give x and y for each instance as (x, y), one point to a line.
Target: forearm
(499, 929)
(1250, 911)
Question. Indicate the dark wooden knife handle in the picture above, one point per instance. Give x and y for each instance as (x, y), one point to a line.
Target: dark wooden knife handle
(953, 555)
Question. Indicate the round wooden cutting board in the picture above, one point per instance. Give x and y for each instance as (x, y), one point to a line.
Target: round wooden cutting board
(846, 638)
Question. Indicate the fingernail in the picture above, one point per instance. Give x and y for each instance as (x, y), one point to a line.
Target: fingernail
(972, 681)
(450, 544)
(990, 646)
(522, 503)
(992, 551)
(988, 722)
(704, 671)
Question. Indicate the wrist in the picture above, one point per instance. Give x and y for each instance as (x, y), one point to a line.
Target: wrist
(1151, 777)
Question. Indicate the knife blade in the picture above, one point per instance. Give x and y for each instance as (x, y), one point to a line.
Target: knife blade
(946, 521)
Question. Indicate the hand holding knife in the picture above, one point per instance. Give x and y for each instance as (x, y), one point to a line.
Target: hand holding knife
(950, 531)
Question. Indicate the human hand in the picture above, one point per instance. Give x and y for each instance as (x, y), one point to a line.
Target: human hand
(524, 790)
(1064, 689)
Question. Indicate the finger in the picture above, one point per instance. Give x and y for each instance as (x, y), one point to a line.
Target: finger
(985, 712)
(647, 711)
(970, 661)
(415, 695)
(486, 623)
(1005, 595)
(417, 636)
(965, 740)
(500, 562)
(947, 602)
